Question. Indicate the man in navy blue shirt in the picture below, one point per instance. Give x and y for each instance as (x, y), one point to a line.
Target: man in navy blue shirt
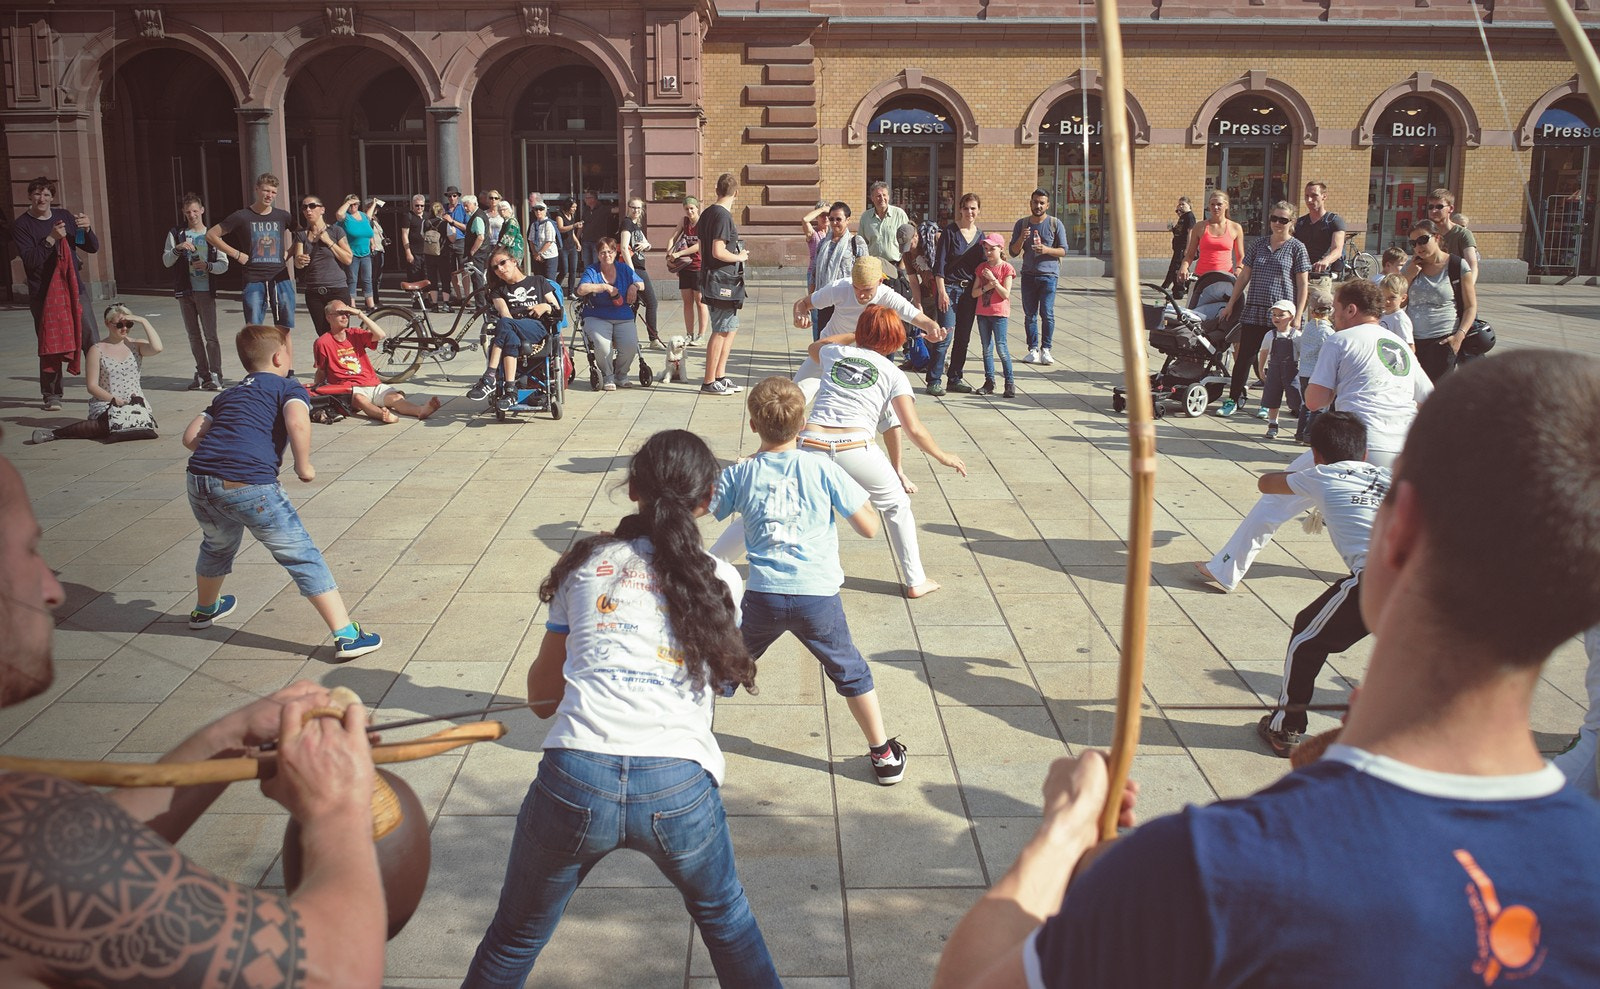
(1433, 845)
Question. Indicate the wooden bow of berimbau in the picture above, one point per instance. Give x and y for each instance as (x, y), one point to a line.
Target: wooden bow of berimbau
(1141, 418)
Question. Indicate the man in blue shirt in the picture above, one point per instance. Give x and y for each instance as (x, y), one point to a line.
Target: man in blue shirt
(1433, 845)
(1041, 240)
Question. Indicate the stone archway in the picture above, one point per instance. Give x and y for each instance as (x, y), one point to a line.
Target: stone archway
(911, 81)
(1447, 97)
(1257, 81)
(1552, 96)
(1080, 81)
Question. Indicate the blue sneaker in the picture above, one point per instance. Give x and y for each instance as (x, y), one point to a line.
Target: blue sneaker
(349, 647)
(200, 618)
(1261, 413)
(1229, 406)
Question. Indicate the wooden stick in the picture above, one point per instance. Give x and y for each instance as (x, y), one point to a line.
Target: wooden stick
(240, 768)
(1141, 418)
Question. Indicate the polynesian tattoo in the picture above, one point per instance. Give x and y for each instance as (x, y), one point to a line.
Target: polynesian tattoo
(94, 898)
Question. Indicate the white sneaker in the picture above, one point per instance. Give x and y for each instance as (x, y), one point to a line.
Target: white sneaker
(1032, 357)
(1045, 358)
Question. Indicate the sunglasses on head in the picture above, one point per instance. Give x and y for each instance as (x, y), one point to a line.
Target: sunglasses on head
(1280, 219)
(1419, 241)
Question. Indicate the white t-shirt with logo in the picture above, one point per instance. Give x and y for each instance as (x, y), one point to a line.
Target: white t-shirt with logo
(627, 690)
(1348, 495)
(847, 309)
(1375, 377)
(857, 385)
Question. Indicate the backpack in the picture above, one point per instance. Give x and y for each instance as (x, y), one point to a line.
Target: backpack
(431, 243)
(917, 356)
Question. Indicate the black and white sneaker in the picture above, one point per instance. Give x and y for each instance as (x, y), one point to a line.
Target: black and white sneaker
(483, 388)
(715, 388)
(729, 387)
(199, 381)
(890, 768)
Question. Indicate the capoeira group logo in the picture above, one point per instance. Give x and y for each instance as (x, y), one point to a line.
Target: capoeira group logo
(1395, 356)
(854, 373)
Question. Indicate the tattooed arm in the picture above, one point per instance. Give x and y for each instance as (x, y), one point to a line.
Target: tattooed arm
(94, 898)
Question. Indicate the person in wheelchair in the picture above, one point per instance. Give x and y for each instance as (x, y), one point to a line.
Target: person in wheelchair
(528, 306)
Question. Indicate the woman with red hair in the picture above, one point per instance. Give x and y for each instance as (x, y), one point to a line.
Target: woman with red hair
(860, 387)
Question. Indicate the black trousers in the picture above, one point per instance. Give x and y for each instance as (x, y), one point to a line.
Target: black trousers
(51, 374)
(1436, 357)
(1244, 356)
(1172, 269)
(1332, 623)
(317, 300)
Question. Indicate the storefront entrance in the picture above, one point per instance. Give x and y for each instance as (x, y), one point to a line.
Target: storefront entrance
(912, 146)
(1412, 149)
(1247, 157)
(567, 127)
(1072, 171)
(1562, 188)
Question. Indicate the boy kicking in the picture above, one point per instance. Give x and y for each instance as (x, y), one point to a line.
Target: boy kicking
(233, 486)
(1347, 491)
(787, 499)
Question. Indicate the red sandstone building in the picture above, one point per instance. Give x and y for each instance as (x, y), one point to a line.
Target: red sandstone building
(130, 105)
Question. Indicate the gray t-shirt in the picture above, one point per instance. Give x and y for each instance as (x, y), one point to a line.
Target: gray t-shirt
(1052, 233)
(324, 271)
(1348, 495)
(1431, 304)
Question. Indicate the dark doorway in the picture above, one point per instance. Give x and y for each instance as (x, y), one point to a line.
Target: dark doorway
(169, 128)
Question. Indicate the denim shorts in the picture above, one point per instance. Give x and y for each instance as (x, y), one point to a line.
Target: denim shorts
(225, 513)
(819, 623)
(724, 319)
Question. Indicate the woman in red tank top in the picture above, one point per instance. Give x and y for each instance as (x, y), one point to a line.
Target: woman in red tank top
(1217, 244)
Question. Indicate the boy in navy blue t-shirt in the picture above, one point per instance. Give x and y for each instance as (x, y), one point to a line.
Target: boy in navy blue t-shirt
(233, 486)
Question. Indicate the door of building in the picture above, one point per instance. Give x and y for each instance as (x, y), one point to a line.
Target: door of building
(1412, 148)
(562, 168)
(911, 144)
(1562, 237)
(1072, 171)
(1248, 157)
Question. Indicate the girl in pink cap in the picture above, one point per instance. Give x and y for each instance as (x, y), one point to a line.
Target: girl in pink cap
(991, 287)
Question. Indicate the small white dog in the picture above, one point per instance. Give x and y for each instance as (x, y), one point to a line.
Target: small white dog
(676, 346)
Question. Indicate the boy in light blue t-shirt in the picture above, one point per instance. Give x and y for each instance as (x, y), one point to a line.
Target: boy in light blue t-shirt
(787, 498)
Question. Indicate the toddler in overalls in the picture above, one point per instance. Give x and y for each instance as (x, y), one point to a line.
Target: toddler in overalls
(1282, 351)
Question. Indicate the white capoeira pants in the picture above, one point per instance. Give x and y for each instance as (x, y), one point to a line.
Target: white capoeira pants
(1581, 763)
(869, 466)
(1268, 513)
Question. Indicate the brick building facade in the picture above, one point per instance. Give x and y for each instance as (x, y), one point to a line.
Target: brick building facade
(805, 99)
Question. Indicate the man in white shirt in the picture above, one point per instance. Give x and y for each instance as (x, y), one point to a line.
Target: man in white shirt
(1373, 375)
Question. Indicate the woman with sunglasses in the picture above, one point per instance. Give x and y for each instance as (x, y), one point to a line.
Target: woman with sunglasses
(1275, 267)
(322, 259)
(1443, 300)
(1215, 245)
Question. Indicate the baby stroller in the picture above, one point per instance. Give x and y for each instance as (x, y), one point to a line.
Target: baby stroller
(1195, 344)
(580, 343)
(543, 370)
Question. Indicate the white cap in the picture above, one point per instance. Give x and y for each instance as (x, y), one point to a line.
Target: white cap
(1286, 306)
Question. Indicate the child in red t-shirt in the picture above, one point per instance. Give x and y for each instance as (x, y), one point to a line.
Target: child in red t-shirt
(991, 286)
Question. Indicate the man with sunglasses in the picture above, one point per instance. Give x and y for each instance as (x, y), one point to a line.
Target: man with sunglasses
(411, 238)
(1323, 234)
(1457, 239)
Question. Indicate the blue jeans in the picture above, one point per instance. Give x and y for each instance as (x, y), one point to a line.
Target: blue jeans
(511, 334)
(1039, 307)
(582, 806)
(255, 302)
(361, 277)
(225, 513)
(936, 351)
(992, 331)
(818, 622)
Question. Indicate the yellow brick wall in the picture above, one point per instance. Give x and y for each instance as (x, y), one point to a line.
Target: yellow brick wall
(1170, 85)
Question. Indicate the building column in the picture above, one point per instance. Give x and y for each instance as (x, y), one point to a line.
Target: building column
(66, 145)
(255, 137)
(446, 148)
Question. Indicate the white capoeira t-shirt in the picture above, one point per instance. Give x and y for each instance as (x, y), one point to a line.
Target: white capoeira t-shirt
(1348, 495)
(857, 386)
(1376, 378)
(847, 309)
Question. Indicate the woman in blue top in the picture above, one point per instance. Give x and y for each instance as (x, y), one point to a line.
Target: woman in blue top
(641, 632)
(609, 290)
(358, 232)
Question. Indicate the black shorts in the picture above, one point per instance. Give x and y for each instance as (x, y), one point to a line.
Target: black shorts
(689, 278)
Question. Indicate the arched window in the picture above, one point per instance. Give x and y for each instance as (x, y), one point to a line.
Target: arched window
(911, 144)
(1413, 147)
(1072, 170)
(1248, 149)
(1562, 190)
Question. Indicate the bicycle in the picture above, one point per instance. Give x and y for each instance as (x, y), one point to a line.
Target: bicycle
(1357, 264)
(409, 335)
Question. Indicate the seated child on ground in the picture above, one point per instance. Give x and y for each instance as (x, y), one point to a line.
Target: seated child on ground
(787, 499)
(233, 486)
(343, 367)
